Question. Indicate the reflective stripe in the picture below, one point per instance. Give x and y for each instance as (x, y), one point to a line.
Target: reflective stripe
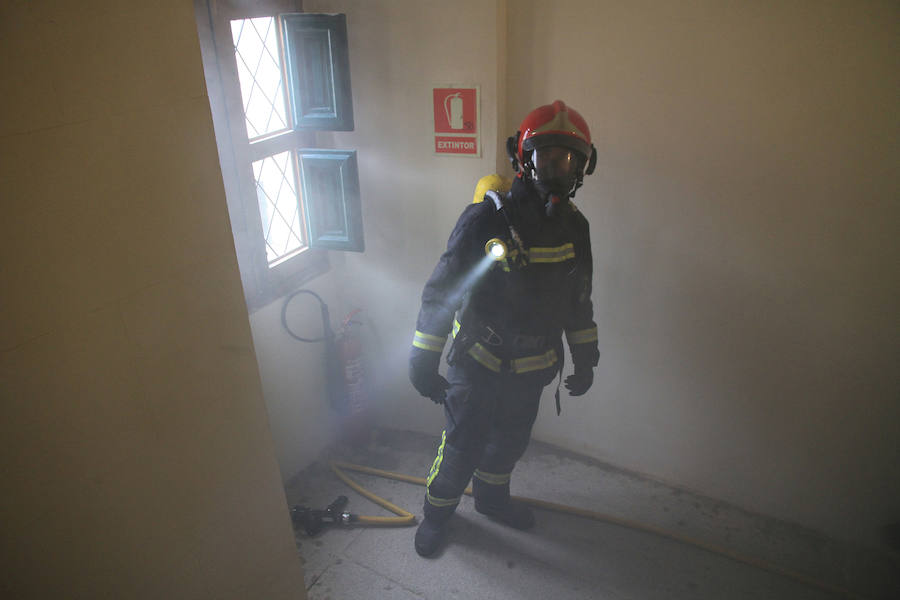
(552, 255)
(493, 478)
(435, 468)
(426, 341)
(517, 365)
(479, 352)
(485, 357)
(534, 363)
(441, 502)
(582, 336)
(436, 465)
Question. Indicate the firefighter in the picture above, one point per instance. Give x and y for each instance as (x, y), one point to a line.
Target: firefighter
(506, 313)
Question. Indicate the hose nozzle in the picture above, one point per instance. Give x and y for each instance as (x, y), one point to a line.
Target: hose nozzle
(314, 521)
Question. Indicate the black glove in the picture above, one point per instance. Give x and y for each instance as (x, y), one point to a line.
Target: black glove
(423, 373)
(580, 382)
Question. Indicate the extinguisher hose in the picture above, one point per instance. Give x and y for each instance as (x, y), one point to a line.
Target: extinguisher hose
(335, 384)
(327, 332)
(407, 518)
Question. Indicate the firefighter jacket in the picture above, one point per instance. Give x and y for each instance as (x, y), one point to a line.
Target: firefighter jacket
(509, 315)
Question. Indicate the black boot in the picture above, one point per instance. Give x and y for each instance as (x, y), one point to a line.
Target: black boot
(517, 516)
(449, 476)
(432, 531)
(430, 536)
(492, 499)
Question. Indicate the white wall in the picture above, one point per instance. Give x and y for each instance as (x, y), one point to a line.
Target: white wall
(136, 455)
(743, 219)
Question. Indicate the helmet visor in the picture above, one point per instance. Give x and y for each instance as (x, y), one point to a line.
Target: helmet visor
(557, 166)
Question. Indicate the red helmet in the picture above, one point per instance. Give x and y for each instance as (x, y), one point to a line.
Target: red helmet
(551, 125)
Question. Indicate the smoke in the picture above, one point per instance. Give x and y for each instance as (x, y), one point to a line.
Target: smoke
(470, 278)
(390, 303)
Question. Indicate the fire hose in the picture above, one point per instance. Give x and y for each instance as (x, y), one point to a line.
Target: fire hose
(315, 520)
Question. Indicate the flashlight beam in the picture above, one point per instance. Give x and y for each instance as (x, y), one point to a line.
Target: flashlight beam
(469, 279)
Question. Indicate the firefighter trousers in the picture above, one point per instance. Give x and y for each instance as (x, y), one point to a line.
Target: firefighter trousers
(489, 417)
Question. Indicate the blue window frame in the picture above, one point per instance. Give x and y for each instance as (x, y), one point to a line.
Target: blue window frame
(318, 67)
(289, 203)
(331, 188)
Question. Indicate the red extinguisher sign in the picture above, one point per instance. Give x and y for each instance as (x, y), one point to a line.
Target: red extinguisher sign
(456, 120)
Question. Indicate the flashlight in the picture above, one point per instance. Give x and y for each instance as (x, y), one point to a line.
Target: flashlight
(496, 249)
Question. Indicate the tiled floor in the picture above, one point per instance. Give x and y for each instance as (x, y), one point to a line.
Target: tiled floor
(566, 557)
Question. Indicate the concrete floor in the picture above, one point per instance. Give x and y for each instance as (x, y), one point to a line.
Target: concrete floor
(566, 557)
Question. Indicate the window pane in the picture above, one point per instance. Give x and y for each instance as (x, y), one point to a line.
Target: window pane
(259, 71)
(279, 206)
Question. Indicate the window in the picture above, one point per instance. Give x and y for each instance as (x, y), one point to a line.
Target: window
(258, 59)
(274, 78)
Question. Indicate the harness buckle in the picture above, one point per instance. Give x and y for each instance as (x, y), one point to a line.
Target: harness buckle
(491, 337)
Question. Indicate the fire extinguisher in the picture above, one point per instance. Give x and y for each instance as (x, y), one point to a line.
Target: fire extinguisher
(350, 353)
(344, 365)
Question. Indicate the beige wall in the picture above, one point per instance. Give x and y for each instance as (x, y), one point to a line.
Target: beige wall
(136, 452)
(744, 223)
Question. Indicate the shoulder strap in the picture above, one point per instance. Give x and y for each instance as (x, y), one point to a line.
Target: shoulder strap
(495, 198)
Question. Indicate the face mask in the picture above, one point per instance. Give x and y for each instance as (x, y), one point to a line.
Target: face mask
(556, 170)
